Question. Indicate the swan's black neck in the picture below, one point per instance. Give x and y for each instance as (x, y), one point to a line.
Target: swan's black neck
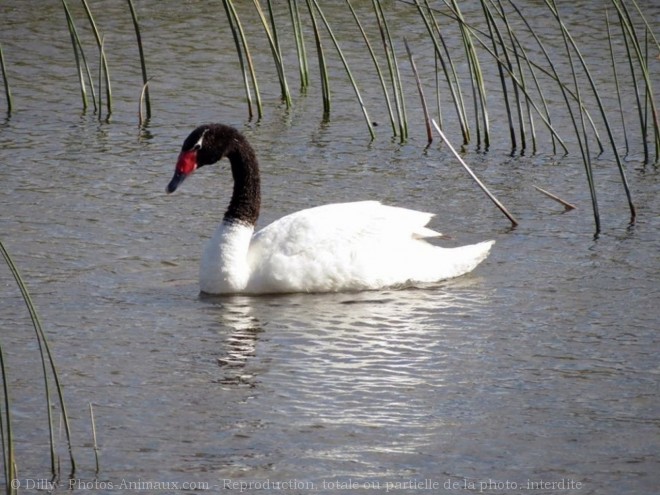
(246, 198)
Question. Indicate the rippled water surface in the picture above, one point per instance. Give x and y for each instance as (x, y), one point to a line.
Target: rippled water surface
(540, 366)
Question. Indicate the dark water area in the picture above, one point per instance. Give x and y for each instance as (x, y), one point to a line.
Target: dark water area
(536, 373)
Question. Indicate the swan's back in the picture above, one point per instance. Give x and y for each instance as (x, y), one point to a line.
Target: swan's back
(353, 246)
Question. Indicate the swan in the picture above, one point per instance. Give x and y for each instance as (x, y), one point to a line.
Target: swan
(336, 247)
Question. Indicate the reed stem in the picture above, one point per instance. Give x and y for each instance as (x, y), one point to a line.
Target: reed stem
(275, 50)
(420, 89)
(584, 141)
(642, 60)
(346, 67)
(448, 68)
(379, 72)
(495, 38)
(481, 185)
(145, 79)
(477, 79)
(43, 345)
(323, 68)
(141, 119)
(95, 443)
(5, 80)
(567, 206)
(234, 20)
(393, 67)
(6, 433)
(300, 44)
(79, 52)
(103, 63)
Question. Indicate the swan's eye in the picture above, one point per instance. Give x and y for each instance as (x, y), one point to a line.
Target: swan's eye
(198, 145)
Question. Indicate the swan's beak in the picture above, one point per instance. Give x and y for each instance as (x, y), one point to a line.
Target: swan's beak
(174, 183)
(185, 165)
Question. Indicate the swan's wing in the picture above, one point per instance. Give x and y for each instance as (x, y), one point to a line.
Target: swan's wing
(338, 244)
(344, 223)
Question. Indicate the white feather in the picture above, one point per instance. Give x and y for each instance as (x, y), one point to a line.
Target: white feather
(336, 247)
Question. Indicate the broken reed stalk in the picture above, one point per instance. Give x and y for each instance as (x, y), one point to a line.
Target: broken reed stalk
(234, 20)
(348, 70)
(95, 443)
(427, 119)
(567, 206)
(501, 207)
(141, 119)
(145, 79)
(377, 67)
(5, 80)
(43, 346)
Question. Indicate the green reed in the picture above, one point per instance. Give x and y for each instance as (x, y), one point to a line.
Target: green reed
(5, 80)
(104, 72)
(81, 60)
(145, 80)
(300, 44)
(393, 69)
(505, 35)
(476, 76)
(346, 67)
(379, 72)
(636, 55)
(323, 66)
(244, 57)
(273, 42)
(443, 56)
(6, 432)
(48, 367)
(420, 90)
(615, 73)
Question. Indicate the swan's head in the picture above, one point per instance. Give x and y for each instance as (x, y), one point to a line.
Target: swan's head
(205, 145)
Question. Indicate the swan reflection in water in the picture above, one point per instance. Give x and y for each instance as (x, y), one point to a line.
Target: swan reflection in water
(360, 340)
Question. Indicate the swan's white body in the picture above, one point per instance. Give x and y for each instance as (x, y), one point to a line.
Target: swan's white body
(337, 247)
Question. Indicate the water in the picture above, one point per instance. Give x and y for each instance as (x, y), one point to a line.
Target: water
(540, 366)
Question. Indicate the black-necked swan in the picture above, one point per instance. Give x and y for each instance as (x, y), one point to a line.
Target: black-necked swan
(336, 247)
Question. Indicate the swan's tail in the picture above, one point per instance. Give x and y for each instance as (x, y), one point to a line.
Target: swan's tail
(454, 262)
